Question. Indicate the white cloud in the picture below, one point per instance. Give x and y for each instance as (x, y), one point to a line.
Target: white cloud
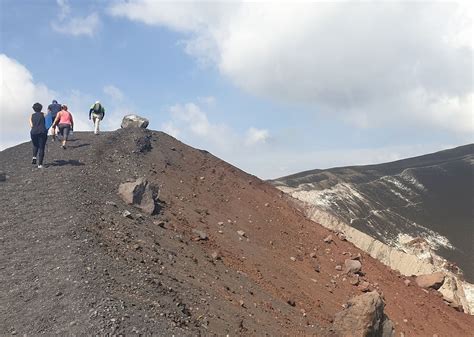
(17, 94)
(190, 123)
(171, 129)
(208, 100)
(75, 26)
(368, 63)
(114, 93)
(255, 136)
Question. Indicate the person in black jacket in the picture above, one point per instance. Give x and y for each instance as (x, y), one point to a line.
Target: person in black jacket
(39, 134)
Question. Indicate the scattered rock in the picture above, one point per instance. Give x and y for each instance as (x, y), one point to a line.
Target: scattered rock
(357, 257)
(434, 280)
(407, 282)
(3, 176)
(242, 233)
(291, 302)
(111, 203)
(328, 239)
(354, 280)
(267, 204)
(127, 214)
(338, 267)
(159, 223)
(216, 255)
(364, 286)
(292, 258)
(134, 121)
(352, 266)
(317, 268)
(364, 316)
(342, 236)
(201, 235)
(313, 255)
(138, 194)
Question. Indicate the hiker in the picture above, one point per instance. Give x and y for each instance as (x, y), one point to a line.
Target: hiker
(53, 109)
(98, 112)
(65, 123)
(39, 134)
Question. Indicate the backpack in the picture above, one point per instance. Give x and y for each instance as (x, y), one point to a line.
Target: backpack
(98, 108)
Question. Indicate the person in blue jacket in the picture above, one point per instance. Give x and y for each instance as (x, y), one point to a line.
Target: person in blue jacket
(53, 110)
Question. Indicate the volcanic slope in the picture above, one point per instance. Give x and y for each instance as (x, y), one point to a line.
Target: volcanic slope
(430, 196)
(71, 263)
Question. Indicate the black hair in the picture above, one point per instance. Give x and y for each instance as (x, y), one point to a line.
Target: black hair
(37, 107)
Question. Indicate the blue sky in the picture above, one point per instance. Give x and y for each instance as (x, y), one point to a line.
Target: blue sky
(271, 87)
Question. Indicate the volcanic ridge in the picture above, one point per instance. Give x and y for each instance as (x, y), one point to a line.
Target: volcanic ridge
(220, 252)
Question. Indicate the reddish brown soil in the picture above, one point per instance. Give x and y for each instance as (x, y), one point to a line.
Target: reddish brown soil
(71, 263)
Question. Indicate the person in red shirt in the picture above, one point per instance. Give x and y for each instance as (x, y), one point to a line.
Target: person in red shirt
(65, 123)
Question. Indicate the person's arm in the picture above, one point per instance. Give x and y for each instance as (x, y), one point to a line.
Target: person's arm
(90, 111)
(56, 120)
(72, 122)
(31, 121)
(103, 112)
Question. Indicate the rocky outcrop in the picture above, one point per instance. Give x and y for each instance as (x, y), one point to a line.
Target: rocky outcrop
(138, 194)
(134, 121)
(434, 280)
(364, 317)
(454, 289)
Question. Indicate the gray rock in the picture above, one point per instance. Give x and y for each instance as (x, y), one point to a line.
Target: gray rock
(241, 233)
(434, 280)
(127, 214)
(328, 239)
(138, 194)
(3, 176)
(352, 266)
(201, 234)
(134, 121)
(364, 316)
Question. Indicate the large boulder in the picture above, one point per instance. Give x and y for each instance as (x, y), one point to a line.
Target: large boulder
(434, 280)
(139, 194)
(352, 266)
(364, 317)
(134, 121)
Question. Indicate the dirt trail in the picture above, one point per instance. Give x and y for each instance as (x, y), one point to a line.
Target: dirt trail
(71, 263)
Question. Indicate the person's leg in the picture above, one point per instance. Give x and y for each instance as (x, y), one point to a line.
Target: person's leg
(65, 135)
(96, 124)
(41, 145)
(34, 141)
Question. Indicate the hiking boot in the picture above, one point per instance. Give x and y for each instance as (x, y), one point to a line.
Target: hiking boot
(40, 166)
(33, 161)
(64, 147)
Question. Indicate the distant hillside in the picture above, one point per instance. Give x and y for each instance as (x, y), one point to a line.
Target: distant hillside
(430, 196)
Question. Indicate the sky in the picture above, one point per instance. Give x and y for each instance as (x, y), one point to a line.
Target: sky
(272, 87)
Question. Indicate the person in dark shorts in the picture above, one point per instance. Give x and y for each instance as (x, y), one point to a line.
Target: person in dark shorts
(65, 123)
(39, 134)
(54, 109)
